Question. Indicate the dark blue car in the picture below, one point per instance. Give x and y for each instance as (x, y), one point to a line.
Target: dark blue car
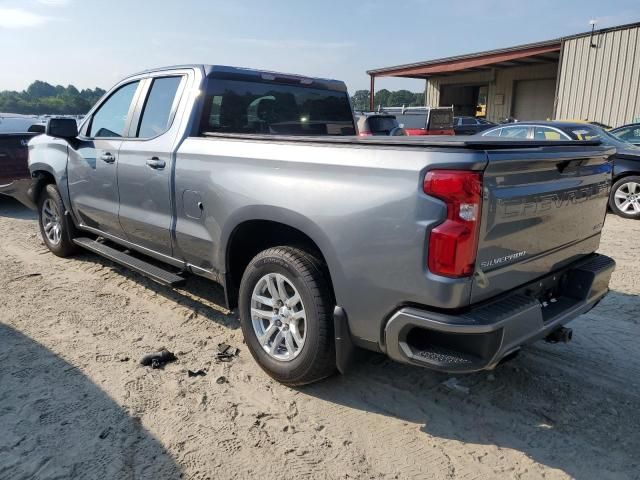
(624, 199)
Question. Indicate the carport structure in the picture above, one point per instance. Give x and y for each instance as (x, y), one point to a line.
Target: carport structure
(517, 81)
(591, 76)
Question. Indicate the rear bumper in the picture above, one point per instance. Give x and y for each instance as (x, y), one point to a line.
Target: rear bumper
(478, 338)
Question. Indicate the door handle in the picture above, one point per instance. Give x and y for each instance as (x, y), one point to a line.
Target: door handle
(156, 163)
(107, 158)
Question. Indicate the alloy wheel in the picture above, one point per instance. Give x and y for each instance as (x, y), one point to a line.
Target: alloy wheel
(278, 317)
(51, 222)
(627, 198)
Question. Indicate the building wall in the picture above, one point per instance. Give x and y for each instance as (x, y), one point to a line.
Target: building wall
(601, 84)
(501, 85)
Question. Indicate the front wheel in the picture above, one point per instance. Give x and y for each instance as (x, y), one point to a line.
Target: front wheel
(57, 229)
(625, 197)
(285, 312)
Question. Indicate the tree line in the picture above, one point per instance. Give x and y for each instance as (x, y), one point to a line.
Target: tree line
(43, 98)
(386, 98)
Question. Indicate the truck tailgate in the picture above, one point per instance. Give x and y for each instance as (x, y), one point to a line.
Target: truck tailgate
(542, 209)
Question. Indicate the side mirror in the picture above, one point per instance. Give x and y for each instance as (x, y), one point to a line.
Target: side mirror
(62, 128)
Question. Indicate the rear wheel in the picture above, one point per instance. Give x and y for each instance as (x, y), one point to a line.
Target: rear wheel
(625, 197)
(57, 229)
(285, 306)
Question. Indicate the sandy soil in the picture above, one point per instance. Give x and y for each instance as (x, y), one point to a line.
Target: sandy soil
(74, 403)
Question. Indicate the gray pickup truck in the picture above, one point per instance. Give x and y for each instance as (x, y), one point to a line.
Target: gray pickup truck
(444, 253)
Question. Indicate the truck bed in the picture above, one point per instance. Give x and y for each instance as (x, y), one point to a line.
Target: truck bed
(435, 141)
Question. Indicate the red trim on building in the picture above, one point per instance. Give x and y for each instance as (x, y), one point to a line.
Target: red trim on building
(455, 65)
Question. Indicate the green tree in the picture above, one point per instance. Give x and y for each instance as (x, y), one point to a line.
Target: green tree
(43, 98)
(381, 98)
(40, 89)
(400, 98)
(360, 100)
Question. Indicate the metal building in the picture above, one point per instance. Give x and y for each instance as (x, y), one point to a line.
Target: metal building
(592, 76)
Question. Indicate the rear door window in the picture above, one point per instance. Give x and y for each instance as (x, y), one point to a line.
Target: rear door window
(236, 106)
(111, 118)
(585, 133)
(412, 120)
(515, 132)
(156, 116)
(545, 133)
(382, 125)
(469, 121)
(440, 119)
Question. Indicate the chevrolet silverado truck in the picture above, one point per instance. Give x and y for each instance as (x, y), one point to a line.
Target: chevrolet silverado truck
(443, 253)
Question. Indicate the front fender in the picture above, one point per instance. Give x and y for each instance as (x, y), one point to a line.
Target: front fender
(48, 156)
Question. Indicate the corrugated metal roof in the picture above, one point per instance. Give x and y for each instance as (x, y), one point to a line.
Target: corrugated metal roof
(461, 58)
(430, 67)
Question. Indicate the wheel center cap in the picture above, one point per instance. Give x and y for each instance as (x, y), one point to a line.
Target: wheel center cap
(285, 314)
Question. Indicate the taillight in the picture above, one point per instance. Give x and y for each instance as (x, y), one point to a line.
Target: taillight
(365, 134)
(453, 244)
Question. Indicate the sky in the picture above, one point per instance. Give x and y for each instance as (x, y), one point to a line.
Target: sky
(94, 43)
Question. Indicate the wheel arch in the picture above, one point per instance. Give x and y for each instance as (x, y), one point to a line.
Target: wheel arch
(44, 174)
(251, 233)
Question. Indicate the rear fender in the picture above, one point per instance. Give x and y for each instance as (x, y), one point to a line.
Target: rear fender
(287, 217)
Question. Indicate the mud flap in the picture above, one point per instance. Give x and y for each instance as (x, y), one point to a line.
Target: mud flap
(345, 349)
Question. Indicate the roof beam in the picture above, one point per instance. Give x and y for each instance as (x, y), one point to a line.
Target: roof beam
(456, 65)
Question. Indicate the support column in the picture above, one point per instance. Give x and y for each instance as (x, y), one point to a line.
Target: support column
(372, 102)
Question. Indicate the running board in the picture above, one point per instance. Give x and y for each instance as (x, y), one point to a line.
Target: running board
(157, 274)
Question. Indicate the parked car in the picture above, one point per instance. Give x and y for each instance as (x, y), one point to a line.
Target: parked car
(427, 249)
(423, 120)
(470, 125)
(13, 160)
(378, 124)
(15, 133)
(629, 133)
(20, 124)
(625, 193)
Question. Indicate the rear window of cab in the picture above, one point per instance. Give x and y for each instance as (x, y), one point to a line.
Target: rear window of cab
(253, 107)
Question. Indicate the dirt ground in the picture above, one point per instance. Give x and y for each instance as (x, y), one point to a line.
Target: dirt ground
(74, 403)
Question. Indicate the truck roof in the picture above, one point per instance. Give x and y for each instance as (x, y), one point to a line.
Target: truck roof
(226, 71)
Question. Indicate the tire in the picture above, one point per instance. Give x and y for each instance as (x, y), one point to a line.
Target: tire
(52, 210)
(624, 199)
(302, 355)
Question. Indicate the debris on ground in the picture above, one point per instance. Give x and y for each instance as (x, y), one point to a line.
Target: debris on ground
(196, 373)
(158, 359)
(105, 433)
(454, 385)
(26, 275)
(222, 379)
(226, 352)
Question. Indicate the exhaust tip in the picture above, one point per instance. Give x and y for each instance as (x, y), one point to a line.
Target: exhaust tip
(562, 334)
